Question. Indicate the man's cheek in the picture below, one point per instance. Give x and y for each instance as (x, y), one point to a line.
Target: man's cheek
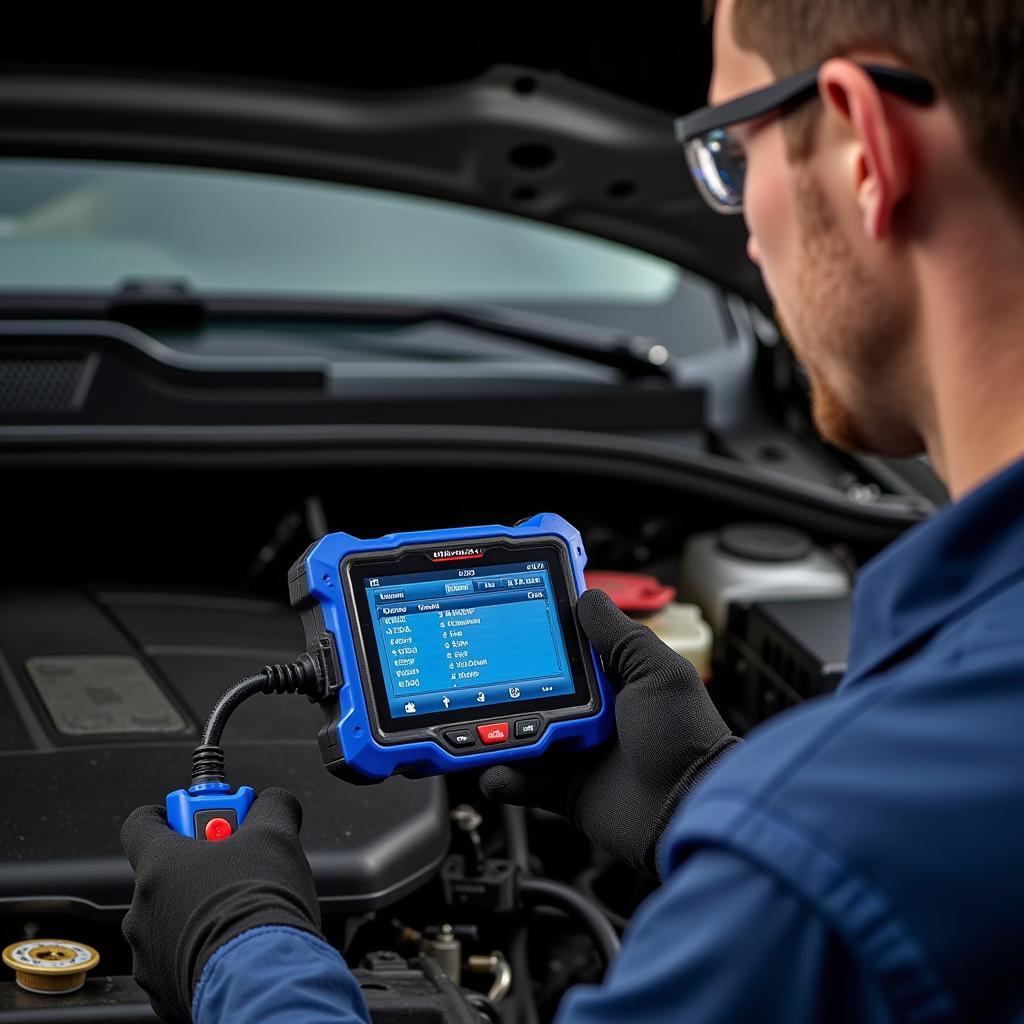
(779, 261)
(765, 236)
(765, 204)
(767, 261)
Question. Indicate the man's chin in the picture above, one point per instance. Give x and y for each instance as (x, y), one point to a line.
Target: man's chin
(839, 427)
(832, 417)
(863, 427)
(836, 423)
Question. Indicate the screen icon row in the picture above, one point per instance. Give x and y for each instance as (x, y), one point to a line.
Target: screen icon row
(466, 697)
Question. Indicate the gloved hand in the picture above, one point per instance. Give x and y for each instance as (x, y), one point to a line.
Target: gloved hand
(668, 736)
(192, 896)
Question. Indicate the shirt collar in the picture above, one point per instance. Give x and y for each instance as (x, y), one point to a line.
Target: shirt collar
(940, 567)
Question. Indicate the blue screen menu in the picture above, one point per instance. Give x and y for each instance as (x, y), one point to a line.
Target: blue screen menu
(468, 638)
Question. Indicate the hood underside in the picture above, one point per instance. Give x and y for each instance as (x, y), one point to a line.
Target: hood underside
(559, 123)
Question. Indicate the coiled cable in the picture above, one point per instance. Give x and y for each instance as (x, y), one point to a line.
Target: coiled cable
(303, 676)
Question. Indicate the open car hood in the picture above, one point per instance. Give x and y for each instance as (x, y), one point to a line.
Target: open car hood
(565, 124)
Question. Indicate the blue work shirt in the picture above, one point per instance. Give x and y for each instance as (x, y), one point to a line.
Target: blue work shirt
(859, 858)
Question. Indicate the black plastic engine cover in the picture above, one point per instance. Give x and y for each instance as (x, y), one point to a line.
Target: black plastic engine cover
(102, 697)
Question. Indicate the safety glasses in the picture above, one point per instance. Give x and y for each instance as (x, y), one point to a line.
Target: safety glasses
(717, 158)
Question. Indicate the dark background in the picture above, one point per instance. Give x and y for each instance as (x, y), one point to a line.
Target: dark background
(659, 56)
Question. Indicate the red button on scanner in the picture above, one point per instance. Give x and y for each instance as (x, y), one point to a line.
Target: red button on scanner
(217, 829)
(496, 732)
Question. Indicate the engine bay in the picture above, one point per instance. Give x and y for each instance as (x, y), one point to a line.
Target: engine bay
(140, 582)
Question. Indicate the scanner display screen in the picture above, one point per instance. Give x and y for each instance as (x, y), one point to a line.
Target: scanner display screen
(459, 639)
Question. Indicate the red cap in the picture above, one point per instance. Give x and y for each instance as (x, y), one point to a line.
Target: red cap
(631, 591)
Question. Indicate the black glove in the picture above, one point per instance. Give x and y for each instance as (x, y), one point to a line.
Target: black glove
(668, 736)
(192, 896)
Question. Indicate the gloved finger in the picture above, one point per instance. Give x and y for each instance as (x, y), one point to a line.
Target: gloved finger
(506, 785)
(143, 827)
(278, 808)
(629, 649)
(550, 784)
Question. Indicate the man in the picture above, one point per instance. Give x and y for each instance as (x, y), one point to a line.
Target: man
(857, 859)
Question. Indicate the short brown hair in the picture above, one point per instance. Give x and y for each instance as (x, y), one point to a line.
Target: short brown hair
(971, 50)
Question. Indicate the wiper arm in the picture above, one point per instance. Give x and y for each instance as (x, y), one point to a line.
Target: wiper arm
(633, 354)
(148, 302)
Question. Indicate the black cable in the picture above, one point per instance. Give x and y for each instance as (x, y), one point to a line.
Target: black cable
(518, 847)
(524, 1006)
(563, 896)
(302, 676)
(586, 882)
(547, 892)
(513, 820)
(226, 704)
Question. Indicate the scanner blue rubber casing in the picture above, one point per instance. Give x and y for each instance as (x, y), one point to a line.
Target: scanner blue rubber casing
(348, 743)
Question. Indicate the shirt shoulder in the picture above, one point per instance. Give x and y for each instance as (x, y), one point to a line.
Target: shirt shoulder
(895, 806)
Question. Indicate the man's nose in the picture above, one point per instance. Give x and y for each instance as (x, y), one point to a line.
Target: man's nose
(753, 252)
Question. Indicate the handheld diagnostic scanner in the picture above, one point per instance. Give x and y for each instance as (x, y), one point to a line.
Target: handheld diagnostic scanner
(450, 649)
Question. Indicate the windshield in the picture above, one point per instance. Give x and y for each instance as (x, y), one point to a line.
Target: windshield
(77, 226)
(74, 226)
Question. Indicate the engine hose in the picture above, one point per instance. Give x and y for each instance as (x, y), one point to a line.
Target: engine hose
(549, 893)
(586, 881)
(514, 822)
(523, 1006)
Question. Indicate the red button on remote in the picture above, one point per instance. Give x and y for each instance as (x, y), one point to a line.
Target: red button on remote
(496, 732)
(217, 829)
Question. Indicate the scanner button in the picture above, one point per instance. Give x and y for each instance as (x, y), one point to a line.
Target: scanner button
(496, 732)
(217, 829)
(214, 825)
(527, 728)
(460, 737)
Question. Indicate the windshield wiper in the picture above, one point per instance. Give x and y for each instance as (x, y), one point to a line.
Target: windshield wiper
(148, 303)
(633, 354)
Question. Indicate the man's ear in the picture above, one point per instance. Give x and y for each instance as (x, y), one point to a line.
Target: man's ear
(881, 166)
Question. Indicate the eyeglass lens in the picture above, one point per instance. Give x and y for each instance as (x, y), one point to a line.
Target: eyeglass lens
(719, 163)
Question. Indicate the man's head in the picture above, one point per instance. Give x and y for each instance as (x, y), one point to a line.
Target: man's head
(852, 198)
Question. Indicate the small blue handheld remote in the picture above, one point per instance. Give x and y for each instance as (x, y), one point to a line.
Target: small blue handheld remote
(208, 810)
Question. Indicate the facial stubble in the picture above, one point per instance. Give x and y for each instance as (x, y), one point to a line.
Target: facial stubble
(847, 334)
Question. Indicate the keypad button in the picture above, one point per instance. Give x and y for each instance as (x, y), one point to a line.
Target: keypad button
(461, 737)
(496, 732)
(527, 728)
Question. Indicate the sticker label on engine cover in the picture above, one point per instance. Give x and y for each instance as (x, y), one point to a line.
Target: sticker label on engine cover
(87, 695)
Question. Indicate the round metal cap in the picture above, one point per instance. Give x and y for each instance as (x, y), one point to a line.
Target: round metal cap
(50, 966)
